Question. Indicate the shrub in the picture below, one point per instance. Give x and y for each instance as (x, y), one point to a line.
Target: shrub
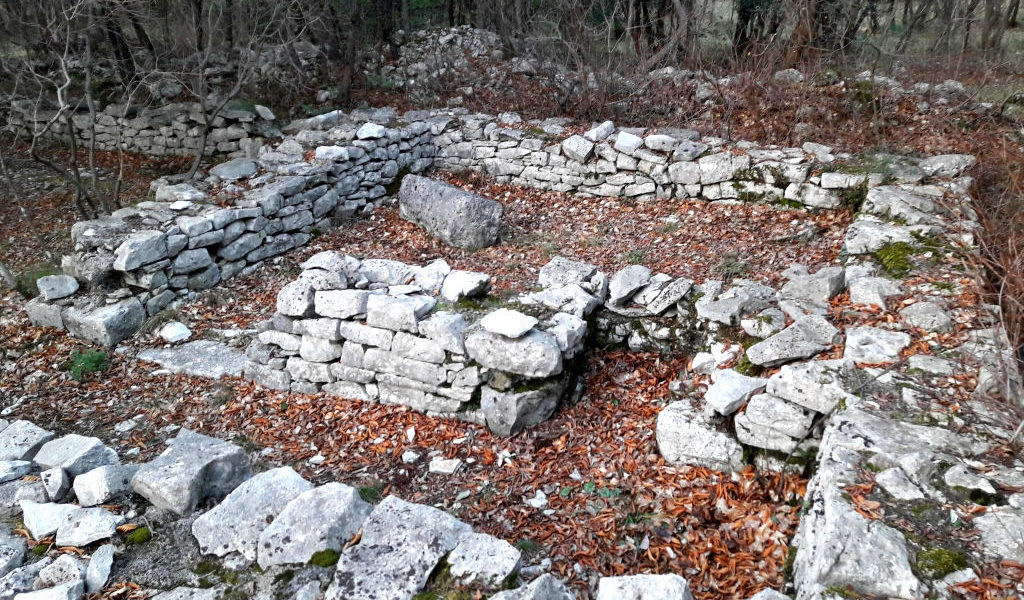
(83, 364)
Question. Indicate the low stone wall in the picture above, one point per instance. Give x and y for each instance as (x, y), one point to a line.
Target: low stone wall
(169, 130)
(424, 337)
(135, 262)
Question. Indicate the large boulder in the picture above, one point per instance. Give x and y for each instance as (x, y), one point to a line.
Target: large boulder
(453, 215)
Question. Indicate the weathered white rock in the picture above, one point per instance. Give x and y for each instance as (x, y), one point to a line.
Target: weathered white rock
(545, 587)
(868, 235)
(820, 287)
(947, 165)
(400, 313)
(933, 365)
(64, 591)
(103, 484)
(140, 248)
(1002, 529)
(107, 324)
(627, 143)
(686, 438)
(199, 358)
(453, 215)
(98, 572)
(464, 284)
(960, 476)
(509, 412)
(772, 423)
(296, 299)
(12, 551)
(873, 290)
(64, 569)
(194, 468)
(874, 345)
(627, 282)
(600, 131)
(370, 130)
(396, 533)
(535, 354)
(175, 332)
(928, 316)
(894, 481)
(76, 454)
(838, 547)
(509, 323)
(814, 385)
(235, 524)
(643, 587)
(181, 192)
(55, 287)
(43, 519)
(484, 560)
(234, 169)
(318, 519)
(446, 329)
(578, 148)
(14, 469)
(730, 390)
(764, 324)
(768, 595)
(187, 593)
(85, 526)
(431, 277)
(807, 336)
(21, 440)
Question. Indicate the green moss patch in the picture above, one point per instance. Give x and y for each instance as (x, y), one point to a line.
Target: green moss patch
(939, 562)
(139, 536)
(325, 558)
(895, 259)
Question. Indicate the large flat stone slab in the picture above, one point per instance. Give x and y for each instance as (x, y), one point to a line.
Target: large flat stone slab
(452, 215)
(201, 358)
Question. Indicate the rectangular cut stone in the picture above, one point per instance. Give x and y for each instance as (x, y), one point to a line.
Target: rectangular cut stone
(353, 374)
(327, 329)
(416, 399)
(309, 371)
(348, 389)
(389, 362)
(363, 334)
(417, 348)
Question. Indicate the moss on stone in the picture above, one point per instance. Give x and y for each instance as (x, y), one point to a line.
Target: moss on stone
(895, 259)
(745, 367)
(325, 558)
(139, 536)
(40, 549)
(852, 199)
(939, 562)
(787, 568)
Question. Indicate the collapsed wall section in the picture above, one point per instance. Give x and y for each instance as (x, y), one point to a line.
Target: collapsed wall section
(425, 337)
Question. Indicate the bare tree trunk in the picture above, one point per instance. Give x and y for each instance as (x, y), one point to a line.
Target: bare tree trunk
(229, 23)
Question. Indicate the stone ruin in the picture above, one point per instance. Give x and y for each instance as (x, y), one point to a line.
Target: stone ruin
(417, 336)
(431, 338)
(167, 130)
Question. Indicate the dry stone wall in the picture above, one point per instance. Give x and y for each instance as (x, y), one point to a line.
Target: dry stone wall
(424, 337)
(169, 130)
(135, 262)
